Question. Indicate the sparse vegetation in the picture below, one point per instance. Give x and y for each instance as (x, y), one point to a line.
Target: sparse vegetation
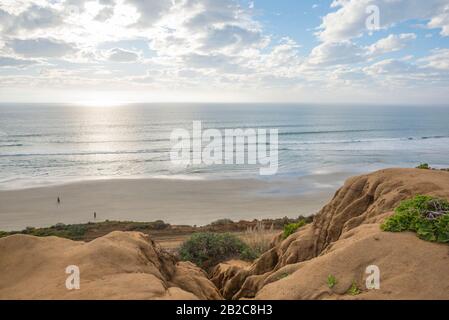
(331, 281)
(424, 166)
(283, 275)
(259, 237)
(75, 231)
(142, 226)
(208, 249)
(221, 222)
(81, 231)
(291, 228)
(354, 289)
(425, 215)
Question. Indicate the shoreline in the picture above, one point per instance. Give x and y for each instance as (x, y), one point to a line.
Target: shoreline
(176, 201)
(31, 183)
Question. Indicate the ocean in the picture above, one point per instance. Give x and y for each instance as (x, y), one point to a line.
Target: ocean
(44, 144)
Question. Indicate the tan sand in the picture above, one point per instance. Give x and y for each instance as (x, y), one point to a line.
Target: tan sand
(117, 266)
(191, 202)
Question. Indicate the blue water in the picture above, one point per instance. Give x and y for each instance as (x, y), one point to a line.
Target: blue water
(43, 144)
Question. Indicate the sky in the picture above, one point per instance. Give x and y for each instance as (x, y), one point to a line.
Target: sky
(317, 51)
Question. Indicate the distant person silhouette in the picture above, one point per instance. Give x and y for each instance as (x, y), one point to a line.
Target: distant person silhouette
(59, 200)
(95, 216)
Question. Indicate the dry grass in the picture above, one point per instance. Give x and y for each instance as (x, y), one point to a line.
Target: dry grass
(259, 237)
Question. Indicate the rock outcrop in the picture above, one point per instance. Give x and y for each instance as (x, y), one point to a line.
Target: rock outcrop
(344, 239)
(120, 265)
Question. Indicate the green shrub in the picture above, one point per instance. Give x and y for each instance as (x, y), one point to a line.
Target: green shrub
(307, 220)
(425, 215)
(222, 222)
(331, 281)
(354, 289)
(145, 226)
(208, 249)
(291, 228)
(423, 166)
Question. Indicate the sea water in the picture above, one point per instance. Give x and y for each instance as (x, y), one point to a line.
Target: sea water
(52, 143)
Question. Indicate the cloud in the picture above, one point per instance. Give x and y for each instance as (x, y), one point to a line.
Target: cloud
(212, 12)
(14, 62)
(391, 67)
(41, 47)
(122, 55)
(441, 21)
(220, 62)
(34, 17)
(231, 36)
(397, 73)
(438, 59)
(336, 53)
(391, 43)
(105, 14)
(221, 44)
(349, 21)
(150, 11)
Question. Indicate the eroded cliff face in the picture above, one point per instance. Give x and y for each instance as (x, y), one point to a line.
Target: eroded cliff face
(343, 240)
(358, 207)
(120, 265)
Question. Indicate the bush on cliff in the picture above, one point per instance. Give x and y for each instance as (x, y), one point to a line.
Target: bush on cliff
(425, 215)
(291, 228)
(208, 249)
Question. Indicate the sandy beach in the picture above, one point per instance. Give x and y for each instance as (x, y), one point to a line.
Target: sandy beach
(192, 202)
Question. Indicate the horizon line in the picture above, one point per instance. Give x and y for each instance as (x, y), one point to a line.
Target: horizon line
(125, 103)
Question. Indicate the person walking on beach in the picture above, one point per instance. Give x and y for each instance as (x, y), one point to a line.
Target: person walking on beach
(95, 216)
(59, 200)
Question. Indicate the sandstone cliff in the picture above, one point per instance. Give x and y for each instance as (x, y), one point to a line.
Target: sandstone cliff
(343, 240)
(116, 266)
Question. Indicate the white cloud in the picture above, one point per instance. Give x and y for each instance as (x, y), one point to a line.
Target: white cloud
(391, 67)
(438, 59)
(219, 45)
(15, 62)
(105, 14)
(121, 55)
(441, 21)
(391, 43)
(41, 47)
(397, 74)
(349, 21)
(231, 35)
(34, 17)
(150, 11)
(336, 53)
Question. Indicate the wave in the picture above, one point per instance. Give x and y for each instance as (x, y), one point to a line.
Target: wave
(92, 153)
(283, 146)
(292, 133)
(107, 141)
(28, 135)
(348, 141)
(11, 145)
